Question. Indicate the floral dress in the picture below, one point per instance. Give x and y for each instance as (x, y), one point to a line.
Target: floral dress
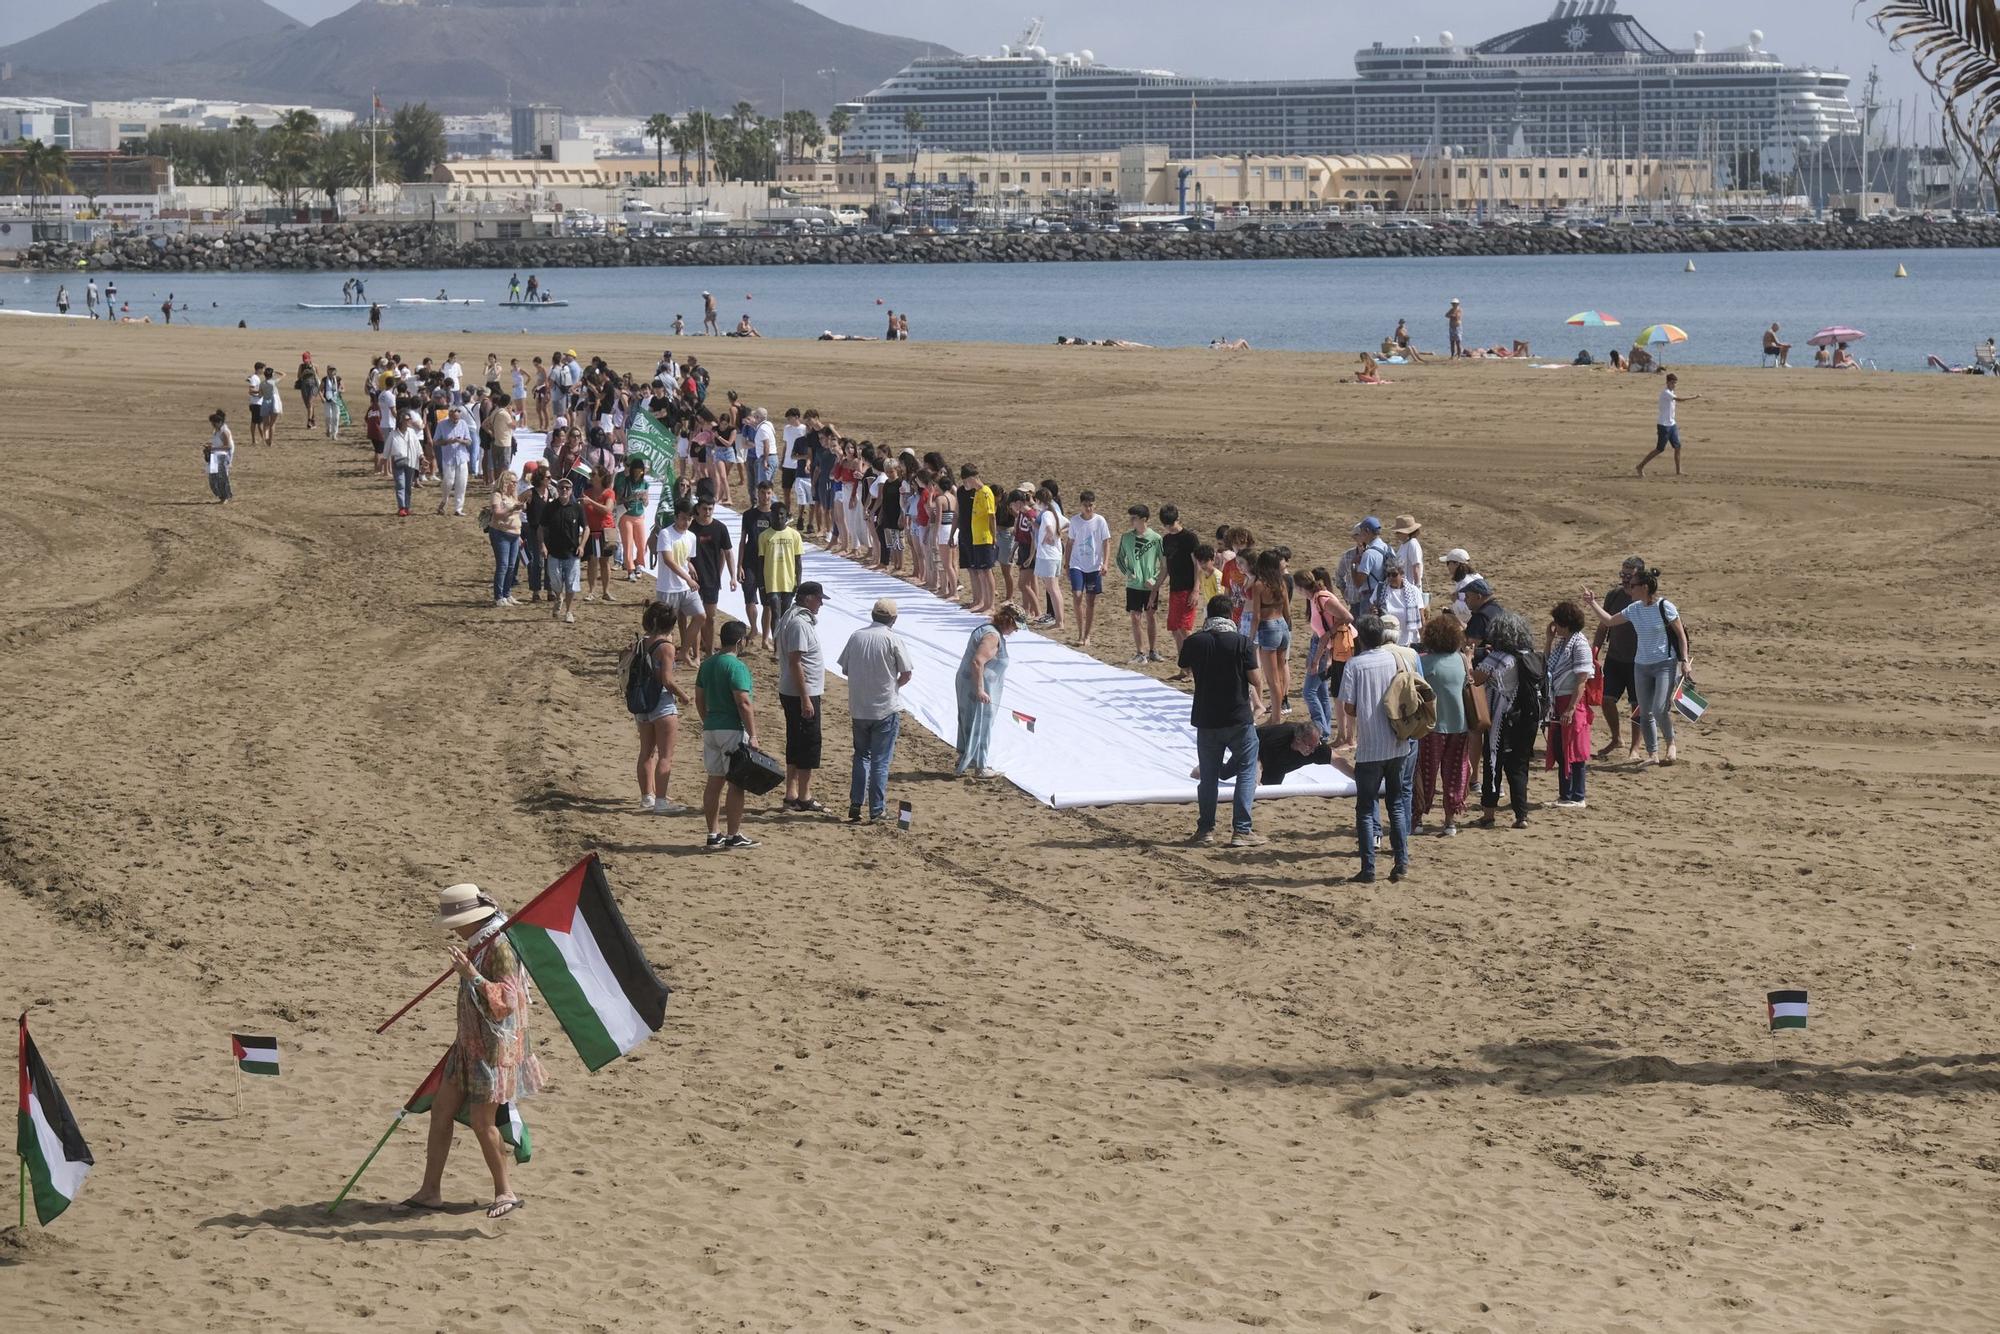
(491, 1060)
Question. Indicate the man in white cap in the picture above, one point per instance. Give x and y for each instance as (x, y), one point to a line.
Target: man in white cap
(493, 1002)
(1458, 565)
(1455, 318)
(708, 324)
(877, 665)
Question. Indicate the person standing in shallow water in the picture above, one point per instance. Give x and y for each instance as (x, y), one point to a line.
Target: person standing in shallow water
(491, 1061)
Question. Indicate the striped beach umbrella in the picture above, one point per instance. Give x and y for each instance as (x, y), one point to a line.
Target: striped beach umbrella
(1593, 319)
(1658, 335)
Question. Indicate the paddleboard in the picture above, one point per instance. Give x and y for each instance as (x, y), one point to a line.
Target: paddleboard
(333, 305)
(433, 301)
(531, 305)
(45, 314)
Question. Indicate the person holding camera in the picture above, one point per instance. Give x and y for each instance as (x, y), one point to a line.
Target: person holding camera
(727, 722)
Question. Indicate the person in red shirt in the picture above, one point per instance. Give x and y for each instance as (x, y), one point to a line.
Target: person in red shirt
(600, 513)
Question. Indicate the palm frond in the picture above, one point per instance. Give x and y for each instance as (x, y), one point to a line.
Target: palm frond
(1955, 45)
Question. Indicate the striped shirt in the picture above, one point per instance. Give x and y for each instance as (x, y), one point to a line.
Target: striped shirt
(1650, 623)
(1365, 684)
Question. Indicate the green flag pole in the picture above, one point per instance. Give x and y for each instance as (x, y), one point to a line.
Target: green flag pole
(401, 1112)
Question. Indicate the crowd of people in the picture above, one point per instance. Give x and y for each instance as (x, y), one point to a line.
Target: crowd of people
(1418, 680)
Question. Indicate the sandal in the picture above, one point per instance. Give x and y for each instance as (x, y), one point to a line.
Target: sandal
(501, 1208)
(807, 807)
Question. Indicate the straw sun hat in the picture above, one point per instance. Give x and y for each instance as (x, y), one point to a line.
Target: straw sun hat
(463, 905)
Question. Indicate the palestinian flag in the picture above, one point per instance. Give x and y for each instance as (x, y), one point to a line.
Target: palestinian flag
(1788, 1009)
(588, 967)
(255, 1056)
(46, 1136)
(513, 1130)
(1026, 720)
(645, 437)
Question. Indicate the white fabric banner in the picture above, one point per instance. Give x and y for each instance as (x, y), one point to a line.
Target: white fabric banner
(1102, 736)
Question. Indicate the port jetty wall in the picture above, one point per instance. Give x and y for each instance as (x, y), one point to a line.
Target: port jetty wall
(364, 247)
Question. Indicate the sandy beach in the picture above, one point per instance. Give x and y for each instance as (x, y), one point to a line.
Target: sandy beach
(1017, 1069)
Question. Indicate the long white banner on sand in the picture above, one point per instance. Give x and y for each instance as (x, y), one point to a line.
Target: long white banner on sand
(1101, 735)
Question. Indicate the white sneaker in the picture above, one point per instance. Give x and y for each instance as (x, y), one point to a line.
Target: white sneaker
(665, 807)
(646, 803)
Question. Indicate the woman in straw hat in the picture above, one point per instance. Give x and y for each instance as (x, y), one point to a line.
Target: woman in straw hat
(491, 1062)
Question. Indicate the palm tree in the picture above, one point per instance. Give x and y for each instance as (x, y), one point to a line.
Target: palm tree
(291, 151)
(659, 128)
(742, 114)
(340, 164)
(705, 130)
(1955, 45)
(913, 121)
(837, 122)
(42, 169)
(684, 139)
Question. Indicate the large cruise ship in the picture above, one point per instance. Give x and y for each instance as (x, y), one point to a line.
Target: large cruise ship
(1586, 79)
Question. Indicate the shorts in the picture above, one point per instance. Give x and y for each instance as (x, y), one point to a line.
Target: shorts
(256, 414)
(1180, 610)
(668, 707)
(716, 748)
(1668, 435)
(710, 595)
(822, 492)
(979, 556)
(1619, 683)
(601, 542)
(802, 734)
(565, 574)
(752, 583)
(1335, 670)
(892, 541)
(945, 536)
(1024, 554)
(378, 445)
(802, 492)
(1274, 635)
(1082, 581)
(1138, 599)
(779, 603)
(1048, 567)
(685, 604)
(1003, 547)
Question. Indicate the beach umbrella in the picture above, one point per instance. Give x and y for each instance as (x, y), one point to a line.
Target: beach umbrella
(1839, 333)
(1593, 319)
(1657, 335)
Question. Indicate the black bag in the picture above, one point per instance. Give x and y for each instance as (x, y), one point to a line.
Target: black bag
(754, 771)
(642, 680)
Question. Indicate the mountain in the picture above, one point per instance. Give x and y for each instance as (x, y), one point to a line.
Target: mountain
(129, 35)
(631, 57)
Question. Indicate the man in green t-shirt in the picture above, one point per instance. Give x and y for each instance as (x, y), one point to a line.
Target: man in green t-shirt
(1139, 560)
(727, 722)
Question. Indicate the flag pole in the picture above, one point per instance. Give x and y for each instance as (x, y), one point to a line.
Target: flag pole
(487, 943)
(22, 1164)
(401, 1112)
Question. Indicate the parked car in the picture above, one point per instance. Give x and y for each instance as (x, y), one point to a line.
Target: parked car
(1742, 220)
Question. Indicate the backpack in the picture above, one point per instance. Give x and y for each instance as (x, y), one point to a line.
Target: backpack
(1411, 705)
(1531, 694)
(641, 677)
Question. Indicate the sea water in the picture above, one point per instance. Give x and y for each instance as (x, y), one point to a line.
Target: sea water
(1950, 301)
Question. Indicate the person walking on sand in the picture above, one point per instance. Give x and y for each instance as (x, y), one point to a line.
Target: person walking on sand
(877, 664)
(1380, 756)
(375, 317)
(563, 527)
(655, 700)
(801, 684)
(1659, 659)
(1454, 319)
(62, 299)
(728, 721)
(491, 1062)
(1139, 560)
(504, 511)
(982, 676)
(1669, 431)
(1619, 644)
(1224, 666)
(708, 315)
(219, 454)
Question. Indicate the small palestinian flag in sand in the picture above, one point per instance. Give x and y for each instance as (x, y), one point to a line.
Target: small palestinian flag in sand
(46, 1137)
(255, 1056)
(1788, 1009)
(588, 967)
(1026, 720)
(513, 1130)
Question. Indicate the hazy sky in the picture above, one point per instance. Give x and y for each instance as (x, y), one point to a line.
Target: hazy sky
(1273, 37)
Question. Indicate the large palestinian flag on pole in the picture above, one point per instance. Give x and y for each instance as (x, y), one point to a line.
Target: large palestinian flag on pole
(46, 1137)
(513, 1130)
(588, 967)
